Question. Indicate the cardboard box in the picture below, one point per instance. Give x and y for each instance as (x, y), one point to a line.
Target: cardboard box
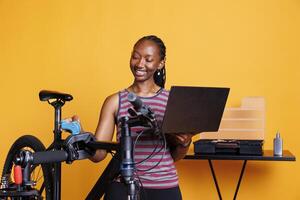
(246, 122)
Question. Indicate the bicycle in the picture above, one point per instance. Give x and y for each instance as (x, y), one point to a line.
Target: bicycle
(28, 154)
(43, 178)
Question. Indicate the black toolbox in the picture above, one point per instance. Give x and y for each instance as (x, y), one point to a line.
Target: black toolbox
(240, 147)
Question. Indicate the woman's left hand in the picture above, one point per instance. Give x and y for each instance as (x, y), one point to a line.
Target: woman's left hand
(179, 144)
(183, 139)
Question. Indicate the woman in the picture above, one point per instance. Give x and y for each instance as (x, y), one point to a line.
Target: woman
(157, 175)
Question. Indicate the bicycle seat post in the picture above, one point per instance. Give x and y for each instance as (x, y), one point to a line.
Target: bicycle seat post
(57, 119)
(57, 145)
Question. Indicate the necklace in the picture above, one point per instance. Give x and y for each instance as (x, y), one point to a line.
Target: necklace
(151, 91)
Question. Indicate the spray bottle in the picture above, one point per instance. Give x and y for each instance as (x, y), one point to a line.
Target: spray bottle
(277, 145)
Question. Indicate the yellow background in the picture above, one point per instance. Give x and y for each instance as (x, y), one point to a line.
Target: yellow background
(83, 48)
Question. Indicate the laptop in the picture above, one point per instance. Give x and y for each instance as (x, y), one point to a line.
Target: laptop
(194, 109)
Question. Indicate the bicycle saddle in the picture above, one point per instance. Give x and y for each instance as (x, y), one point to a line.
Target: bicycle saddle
(46, 95)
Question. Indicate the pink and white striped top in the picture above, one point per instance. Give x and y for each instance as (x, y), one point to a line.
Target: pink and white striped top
(163, 173)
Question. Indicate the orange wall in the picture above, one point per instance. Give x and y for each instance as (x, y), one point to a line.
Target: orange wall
(83, 48)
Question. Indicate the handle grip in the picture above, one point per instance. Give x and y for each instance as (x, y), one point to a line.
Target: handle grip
(49, 156)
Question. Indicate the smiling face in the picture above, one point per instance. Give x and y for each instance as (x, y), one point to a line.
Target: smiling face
(145, 60)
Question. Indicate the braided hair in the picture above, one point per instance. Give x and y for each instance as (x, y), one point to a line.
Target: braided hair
(160, 74)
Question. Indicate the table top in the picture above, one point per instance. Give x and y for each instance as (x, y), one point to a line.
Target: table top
(267, 156)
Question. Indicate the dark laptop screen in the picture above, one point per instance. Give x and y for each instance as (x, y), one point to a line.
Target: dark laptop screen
(194, 109)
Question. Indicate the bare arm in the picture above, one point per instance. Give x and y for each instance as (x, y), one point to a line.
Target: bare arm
(106, 124)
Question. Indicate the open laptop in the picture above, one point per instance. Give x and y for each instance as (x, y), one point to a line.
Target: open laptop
(194, 109)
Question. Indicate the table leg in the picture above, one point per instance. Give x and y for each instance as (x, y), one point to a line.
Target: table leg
(240, 179)
(215, 178)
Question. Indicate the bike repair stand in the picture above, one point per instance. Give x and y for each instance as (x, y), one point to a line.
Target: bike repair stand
(122, 162)
(127, 160)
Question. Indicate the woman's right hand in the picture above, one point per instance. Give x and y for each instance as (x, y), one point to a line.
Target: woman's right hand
(75, 118)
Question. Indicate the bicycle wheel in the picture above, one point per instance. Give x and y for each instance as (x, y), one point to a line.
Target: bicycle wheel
(41, 174)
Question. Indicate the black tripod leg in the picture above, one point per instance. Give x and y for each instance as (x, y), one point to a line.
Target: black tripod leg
(240, 179)
(110, 172)
(215, 178)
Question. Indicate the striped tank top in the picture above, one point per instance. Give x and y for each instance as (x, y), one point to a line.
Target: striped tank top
(154, 164)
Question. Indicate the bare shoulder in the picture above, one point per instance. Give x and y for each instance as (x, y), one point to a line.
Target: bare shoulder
(111, 102)
(113, 98)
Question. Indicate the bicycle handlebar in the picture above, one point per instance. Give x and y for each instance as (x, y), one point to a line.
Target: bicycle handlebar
(71, 154)
(109, 146)
(49, 156)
